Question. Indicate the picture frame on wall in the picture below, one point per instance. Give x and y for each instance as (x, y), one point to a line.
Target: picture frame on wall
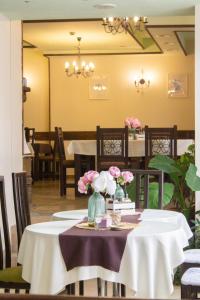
(177, 85)
(99, 88)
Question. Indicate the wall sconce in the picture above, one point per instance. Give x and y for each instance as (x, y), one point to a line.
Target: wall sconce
(25, 88)
(141, 82)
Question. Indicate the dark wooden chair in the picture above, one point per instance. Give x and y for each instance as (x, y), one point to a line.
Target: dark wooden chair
(21, 203)
(30, 135)
(10, 278)
(43, 161)
(142, 179)
(190, 283)
(160, 141)
(112, 147)
(64, 164)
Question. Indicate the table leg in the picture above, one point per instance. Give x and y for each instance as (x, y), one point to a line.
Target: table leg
(101, 287)
(116, 289)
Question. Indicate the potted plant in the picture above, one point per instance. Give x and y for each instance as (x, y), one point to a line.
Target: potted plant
(182, 173)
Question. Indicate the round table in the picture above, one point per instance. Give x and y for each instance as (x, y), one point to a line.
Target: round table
(147, 215)
(153, 250)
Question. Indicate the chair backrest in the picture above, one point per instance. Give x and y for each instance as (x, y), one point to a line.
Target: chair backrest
(59, 143)
(42, 149)
(21, 204)
(5, 260)
(30, 134)
(160, 141)
(142, 180)
(112, 145)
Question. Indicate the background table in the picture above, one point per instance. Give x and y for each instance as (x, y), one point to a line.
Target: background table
(151, 253)
(87, 148)
(136, 148)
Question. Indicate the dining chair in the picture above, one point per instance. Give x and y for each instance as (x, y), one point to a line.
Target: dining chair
(190, 284)
(43, 161)
(10, 277)
(64, 164)
(142, 180)
(30, 135)
(161, 141)
(112, 147)
(21, 203)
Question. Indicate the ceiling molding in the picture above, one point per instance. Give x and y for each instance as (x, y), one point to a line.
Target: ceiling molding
(29, 45)
(147, 29)
(99, 54)
(62, 20)
(180, 42)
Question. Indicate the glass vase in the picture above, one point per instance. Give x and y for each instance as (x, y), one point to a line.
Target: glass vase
(132, 133)
(119, 193)
(96, 206)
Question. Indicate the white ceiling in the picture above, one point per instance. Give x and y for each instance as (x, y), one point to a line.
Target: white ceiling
(70, 9)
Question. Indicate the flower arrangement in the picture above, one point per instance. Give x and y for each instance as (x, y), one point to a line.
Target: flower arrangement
(133, 123)
(102, 182)
(122, 178)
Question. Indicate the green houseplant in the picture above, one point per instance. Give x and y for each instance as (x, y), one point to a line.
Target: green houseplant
(182, 173)
(168, 191)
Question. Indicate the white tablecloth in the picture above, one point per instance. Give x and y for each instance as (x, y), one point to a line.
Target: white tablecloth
(172, 217)
(153, 250)
(136, 148)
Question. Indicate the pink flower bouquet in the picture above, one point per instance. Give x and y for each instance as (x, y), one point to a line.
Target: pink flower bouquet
(122, 178)
(132, 123)
(102, 182)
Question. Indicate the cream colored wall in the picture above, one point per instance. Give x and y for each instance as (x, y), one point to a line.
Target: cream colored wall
(36, 107)
(10, 106)
(72, 109)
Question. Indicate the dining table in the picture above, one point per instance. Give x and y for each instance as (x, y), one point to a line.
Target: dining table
(152, 251)
(136, 149)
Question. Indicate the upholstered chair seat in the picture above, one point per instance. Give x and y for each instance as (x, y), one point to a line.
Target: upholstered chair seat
(191, 277)
(12, 275)
(192, 256)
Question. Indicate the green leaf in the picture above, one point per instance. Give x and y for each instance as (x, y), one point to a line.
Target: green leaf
(131, 190)
(165, 164)
(168, 190)
(191, 178)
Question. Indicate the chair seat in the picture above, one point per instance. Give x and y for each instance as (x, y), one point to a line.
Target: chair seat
(192, 256)
(12, 275)
(191, 277)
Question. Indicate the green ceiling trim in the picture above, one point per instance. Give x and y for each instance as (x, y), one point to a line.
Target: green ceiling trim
(144, 38)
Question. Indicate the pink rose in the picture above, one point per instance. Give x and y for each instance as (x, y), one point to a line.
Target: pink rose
(114, 171)
(127, 176)
(82, 186)
(127, 122)
(135, 123)
(90, 176)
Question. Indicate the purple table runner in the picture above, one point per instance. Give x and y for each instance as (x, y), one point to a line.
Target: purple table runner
(82, 247)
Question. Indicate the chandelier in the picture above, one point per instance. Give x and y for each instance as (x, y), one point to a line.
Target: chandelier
(118, 25)
(79, 67)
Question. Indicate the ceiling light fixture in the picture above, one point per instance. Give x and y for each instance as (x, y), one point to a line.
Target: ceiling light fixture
(79, 67)
(118, 25)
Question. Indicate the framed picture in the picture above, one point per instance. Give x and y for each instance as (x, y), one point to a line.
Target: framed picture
(99, 88)
(177, 85)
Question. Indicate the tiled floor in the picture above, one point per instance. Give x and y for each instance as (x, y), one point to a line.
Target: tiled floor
(46, 201)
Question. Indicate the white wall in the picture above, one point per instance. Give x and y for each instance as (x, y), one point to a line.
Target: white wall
(10, 105)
